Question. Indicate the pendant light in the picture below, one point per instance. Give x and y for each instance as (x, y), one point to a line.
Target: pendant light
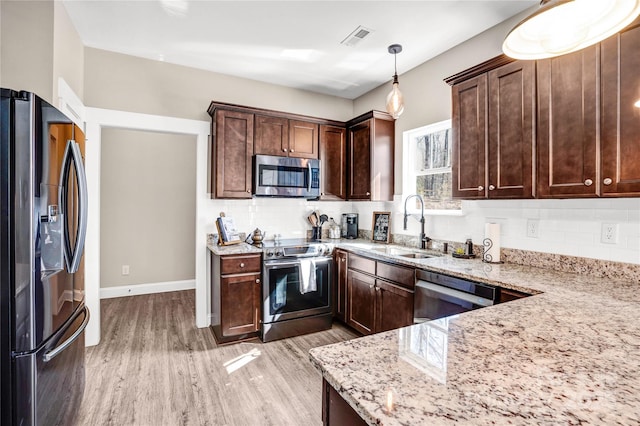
(395, 100)
(564, 26)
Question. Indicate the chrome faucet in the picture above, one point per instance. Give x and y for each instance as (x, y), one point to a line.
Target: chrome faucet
(423, 238)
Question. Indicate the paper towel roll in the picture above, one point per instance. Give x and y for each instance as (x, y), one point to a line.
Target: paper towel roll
(491, 243)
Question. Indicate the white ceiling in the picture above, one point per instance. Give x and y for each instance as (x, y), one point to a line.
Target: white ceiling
(290, 43)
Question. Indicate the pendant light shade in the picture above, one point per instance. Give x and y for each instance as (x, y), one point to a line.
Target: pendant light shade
(564, 26)
(395, 100)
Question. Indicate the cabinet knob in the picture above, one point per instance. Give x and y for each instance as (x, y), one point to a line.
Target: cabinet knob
(491, 187)
(607, 181)
(291, 150)
(368, 193)
(242, 265)
(588, 182)
(284, 149)
(377, 288)
(481, 188)
(371, 285)
(257, 280)
(248, 191)
(344, 260)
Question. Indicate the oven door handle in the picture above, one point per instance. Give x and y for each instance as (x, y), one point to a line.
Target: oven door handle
(467, 297)
(286, 263)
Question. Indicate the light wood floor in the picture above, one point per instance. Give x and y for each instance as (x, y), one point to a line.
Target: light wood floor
(154, 367)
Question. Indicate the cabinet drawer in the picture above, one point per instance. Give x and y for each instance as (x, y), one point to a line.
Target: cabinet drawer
(362, 264)
(240, 264)
(399, 274)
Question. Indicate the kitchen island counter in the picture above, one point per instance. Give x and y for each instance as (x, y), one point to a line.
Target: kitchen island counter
(568, 355)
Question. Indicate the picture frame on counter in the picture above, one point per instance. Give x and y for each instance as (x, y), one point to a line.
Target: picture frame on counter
(381, 227)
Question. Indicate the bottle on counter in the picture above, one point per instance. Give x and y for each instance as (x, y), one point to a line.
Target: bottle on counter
(334, 229)
(468, 247)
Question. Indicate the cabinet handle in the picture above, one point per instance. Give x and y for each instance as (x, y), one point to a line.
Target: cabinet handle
(242, 265)
(491, 187)
(588, 182)
(481, 188)
(607, 181)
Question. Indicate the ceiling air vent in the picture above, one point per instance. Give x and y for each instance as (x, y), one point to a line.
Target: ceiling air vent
(356, 36)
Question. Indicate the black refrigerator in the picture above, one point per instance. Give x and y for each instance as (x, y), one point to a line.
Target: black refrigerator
(43, 222)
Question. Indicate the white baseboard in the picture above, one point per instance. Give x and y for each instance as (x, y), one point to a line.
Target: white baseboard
(138, 289)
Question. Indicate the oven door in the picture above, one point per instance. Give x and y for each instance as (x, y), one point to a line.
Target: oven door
(295, 288)
(433, 301)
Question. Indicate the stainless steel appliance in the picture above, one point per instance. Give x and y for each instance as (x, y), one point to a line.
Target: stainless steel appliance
(43, 199)
(296, 293)
(286, 176)
(350, 225)
(438, 296)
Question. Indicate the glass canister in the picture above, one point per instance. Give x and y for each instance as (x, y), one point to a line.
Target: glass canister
(334, 229)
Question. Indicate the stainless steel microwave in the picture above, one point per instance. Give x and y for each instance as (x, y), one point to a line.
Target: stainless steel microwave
(275, 176)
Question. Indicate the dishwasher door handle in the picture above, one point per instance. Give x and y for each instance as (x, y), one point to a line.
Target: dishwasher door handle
(467, 297)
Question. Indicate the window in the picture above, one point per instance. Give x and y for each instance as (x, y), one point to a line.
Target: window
(427, 166)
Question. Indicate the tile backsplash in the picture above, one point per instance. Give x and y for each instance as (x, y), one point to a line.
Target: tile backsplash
(567, 227)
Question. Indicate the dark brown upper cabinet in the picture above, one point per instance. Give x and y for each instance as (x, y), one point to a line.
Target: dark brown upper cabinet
(493, 130)
(284, 137)
(333, 162)
(232, 151)
(370, 157)
(568, 125)
(620, 131)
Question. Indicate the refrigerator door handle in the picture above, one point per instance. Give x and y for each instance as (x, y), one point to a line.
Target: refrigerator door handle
(72, 155)
(49, 355)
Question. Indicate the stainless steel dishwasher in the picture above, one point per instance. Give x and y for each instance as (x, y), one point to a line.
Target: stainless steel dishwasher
(438, 296)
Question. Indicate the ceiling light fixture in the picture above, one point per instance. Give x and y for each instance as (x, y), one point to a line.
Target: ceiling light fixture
(395, 100)
(564, 26)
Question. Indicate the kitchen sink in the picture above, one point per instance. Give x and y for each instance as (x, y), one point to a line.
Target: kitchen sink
(416, 255)
(402, 252)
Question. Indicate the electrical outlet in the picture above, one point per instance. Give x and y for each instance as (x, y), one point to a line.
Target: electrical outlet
(609, 233)
(533, 228)
(125, 269)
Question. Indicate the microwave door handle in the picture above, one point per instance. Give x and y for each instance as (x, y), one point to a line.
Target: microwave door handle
(309, 177)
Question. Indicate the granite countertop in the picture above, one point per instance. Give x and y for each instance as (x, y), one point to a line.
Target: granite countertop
(241, 248)
(568, 355)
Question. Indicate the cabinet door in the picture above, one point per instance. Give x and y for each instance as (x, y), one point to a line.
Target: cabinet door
(272, 136)
(620, 140)
(303, 139)
(394, 305)
(233, 148)
(511, 135)
(361, 299)
(239, 304)
(469, 125)
(333, 162)
(359, 182)
(568, 125)
(340, 301)
(382, 159)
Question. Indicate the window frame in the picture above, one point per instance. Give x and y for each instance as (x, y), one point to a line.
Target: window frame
(409, 174)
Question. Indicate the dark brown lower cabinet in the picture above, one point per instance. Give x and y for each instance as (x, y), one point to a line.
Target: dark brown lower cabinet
(361, 298)
(235, 297)
(340, 292)
(335, 410)
(379, 295)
